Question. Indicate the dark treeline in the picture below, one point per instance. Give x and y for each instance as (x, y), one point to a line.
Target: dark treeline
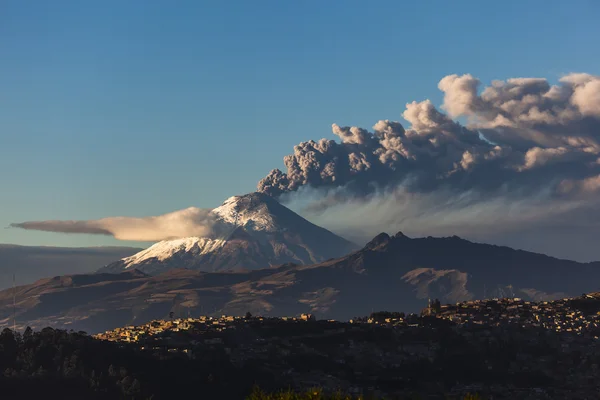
(73, 365)
(317, 394)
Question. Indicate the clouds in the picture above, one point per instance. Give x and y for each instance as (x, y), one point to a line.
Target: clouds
(443, 212)
(586, 93)
(89, 227)
(526, 164)
(561, 226)
(521, 133)
(461, 93)
(538, 156)
(525, 158)
(182, 223)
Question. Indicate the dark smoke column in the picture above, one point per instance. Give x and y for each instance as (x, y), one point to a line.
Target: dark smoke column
(274, 184)
(523, 134)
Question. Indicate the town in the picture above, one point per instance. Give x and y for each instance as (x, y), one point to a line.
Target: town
(580, 315)
(499, 348)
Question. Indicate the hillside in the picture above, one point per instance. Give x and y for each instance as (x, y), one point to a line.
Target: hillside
(389, 273)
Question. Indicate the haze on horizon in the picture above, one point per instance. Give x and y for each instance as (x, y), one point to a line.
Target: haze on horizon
(128, 123)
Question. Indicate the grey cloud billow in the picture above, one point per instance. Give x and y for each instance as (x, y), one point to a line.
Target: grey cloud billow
(522, 134)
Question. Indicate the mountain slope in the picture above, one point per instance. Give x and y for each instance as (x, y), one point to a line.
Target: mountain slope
(389, 273)
(252, 231)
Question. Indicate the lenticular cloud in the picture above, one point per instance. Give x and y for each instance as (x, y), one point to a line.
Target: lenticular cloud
(182, 223)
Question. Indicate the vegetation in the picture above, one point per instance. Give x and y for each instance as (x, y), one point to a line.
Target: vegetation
(319, 394)
(433, 359)
(382, 315)
(313, 394)
(73, 365)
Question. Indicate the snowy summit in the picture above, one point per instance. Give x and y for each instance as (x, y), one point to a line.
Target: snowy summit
(251, 231)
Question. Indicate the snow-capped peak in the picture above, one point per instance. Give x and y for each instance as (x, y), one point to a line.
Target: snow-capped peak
(250, 211)
(167, 248)
(249, 231)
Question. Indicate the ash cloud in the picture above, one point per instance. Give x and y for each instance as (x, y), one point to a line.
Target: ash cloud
(524, 169)
(182, 223)
(561, 226)
(523, 134)
(444, 212)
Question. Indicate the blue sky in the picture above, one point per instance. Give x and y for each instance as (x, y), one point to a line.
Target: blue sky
(139, 108)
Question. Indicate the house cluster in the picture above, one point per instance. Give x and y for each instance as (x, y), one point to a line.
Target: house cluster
(205, 326)
(579, 315)
(505, 348)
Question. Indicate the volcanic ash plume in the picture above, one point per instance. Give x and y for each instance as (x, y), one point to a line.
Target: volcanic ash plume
(522, 134)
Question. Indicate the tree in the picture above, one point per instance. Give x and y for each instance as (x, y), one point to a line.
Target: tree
(437, 305)
(28, 334)
(9, 347)
(135, 387)
(248, 315)
(126, 384)
(171, 315)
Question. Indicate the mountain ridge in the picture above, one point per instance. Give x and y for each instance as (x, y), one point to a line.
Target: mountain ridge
(389, 273)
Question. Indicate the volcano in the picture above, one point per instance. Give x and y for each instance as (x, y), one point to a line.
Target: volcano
(251, 231)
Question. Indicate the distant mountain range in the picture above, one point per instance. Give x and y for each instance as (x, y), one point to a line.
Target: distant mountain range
(252, 231)
(30, 263)
(389, 273)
